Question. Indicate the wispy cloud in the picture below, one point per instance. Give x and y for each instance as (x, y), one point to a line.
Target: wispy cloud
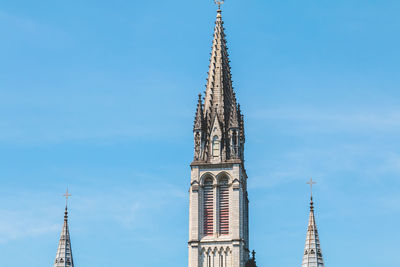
(17, 28)
(48, 116)
(389, 203)
(364, 161)
(361, 143)
(128, 207)
(324, 120)
(75, 133)
(24, 224)
(22, 23)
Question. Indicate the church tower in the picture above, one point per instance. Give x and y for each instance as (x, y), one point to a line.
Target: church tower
(218, 212)
(64, 251)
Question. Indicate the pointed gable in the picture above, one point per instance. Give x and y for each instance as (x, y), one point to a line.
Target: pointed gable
(216, 140)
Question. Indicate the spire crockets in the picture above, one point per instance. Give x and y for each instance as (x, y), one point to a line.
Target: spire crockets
(64, 251)
(312, 251)
(220, 137)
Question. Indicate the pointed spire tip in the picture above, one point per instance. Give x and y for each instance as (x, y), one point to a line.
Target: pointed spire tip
(311, 204)
(219, 3)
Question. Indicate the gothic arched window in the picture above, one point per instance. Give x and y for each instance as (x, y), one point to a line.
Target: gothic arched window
(223, 200)
(216, 147)
(208, 208)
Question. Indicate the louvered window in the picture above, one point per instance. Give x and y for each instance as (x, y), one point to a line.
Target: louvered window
(224, 207)
(208, 207)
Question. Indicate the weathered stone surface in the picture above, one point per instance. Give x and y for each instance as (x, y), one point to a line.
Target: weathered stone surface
(218, 159)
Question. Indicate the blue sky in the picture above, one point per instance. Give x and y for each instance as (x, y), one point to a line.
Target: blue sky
(100, 96)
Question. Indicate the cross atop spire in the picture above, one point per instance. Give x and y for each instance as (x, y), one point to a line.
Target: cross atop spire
(219, 3)
(311, 183)
(66, 195)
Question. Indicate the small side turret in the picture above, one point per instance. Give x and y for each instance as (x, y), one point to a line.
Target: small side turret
(198, 131)
(252, 261)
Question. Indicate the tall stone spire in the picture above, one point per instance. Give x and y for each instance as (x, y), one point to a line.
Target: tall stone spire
(221, 116)
(64, 251)
(312, 251)
(219, 92)
(219, 205)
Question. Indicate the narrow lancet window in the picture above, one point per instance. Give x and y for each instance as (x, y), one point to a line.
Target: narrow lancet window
(223, 206)
(208, 207)
(215, 147)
